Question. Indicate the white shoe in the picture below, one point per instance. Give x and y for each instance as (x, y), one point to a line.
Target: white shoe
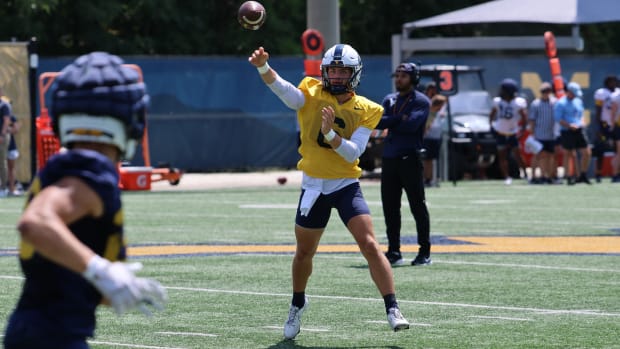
(396, 320)
(292, 325)
(16, 192)
(508, 180)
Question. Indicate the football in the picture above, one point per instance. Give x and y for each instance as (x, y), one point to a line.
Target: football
(251, 15)
(282, 180)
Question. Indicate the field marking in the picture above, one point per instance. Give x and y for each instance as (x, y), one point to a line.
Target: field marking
(188, 334)
(10, 277)
(500, 318)
(384, 322)
(528, 266)
(305, 329)
(115, 344)
(459, 244)
(444, 304)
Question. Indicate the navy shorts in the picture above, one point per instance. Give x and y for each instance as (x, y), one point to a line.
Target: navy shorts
(503, 140)
(28, 329)
(349, 201)
(615, 133)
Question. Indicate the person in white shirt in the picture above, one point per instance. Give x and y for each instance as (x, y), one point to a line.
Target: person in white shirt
(603, 117)
(508, 119)
(615, 134)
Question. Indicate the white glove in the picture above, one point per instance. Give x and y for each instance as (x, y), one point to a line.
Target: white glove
(118, 283)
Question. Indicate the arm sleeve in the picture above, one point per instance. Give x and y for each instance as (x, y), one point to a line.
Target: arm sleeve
(288, 93)
(351, 150)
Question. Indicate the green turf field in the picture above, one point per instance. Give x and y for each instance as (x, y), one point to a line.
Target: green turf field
(229, 286)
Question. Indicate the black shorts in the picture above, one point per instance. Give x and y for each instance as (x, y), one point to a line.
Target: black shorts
(432, 147)
(574, 139)
(548, 146)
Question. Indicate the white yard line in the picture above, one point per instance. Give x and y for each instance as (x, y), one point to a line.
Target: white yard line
(529, 266)
(126, 345)
(187, 334)
(443, 304)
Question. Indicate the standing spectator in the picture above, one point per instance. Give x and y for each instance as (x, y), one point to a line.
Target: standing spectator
(335, 125)
(5, 121)
(603, 122)
(508, 119)
(542, 124)
(405, 116)
(432, 139)
(431, 89)
(72, 243)
(13, 153)
(568, 112)
(615, 135)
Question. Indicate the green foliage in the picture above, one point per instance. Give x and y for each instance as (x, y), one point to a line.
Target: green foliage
(209, 27)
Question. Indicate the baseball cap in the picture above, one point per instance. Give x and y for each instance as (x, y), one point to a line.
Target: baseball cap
(406, 67)
(545, 87)
(574, 88)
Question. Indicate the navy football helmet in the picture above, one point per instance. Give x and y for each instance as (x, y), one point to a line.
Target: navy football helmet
(508, 88)
(98, 99)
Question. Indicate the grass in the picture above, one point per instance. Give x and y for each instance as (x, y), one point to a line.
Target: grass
(463, 300)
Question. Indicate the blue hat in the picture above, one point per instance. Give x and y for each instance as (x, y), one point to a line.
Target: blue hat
(575, 89)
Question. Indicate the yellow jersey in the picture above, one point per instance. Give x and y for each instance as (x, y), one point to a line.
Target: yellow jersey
(318, 159)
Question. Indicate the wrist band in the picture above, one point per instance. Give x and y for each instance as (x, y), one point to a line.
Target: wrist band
(263, 69)
(330, 135)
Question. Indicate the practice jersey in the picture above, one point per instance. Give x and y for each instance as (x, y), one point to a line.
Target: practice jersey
(602, 99)
(507, 114)
(318, 159)
(615, 99)
(67, 299)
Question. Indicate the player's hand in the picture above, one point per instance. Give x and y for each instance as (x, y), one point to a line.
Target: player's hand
(118, 283)
(259, 57)
(328, 115)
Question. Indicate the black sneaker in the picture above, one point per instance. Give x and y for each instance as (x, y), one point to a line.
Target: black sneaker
(395, 258)
(421, 260)
(583, 179)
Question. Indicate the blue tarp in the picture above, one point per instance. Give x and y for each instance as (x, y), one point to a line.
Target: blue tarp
(216, 114)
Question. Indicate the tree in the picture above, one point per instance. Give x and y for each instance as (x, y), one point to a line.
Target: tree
(209, 27)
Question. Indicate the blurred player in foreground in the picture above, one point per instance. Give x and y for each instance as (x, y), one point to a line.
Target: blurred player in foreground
(72, 228)
(335, 126)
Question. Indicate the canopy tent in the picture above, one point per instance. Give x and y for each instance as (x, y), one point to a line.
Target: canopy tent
(569, 12)
(527, 11)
